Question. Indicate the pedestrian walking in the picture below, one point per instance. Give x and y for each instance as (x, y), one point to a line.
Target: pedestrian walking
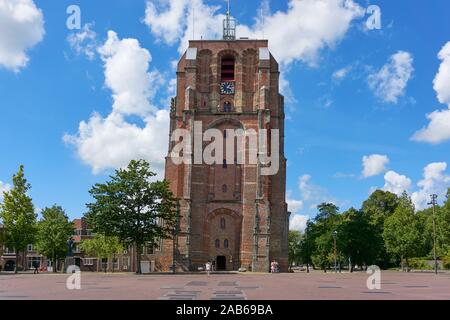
(272, 267)
(208, 267)
(36, 268)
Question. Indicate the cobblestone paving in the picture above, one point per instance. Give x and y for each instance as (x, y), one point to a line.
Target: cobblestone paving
(297, 286)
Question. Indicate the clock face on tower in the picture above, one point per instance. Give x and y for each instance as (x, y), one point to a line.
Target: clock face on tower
(227, 87)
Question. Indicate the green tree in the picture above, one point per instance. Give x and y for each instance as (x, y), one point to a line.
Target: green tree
(307, 244)
(102, 247)
(321, 234)
(402, 231)
(53, 232)
(17, 213)
(377, 208)
(356, 238)
(443, 227)
(133, 209)
(295, 239)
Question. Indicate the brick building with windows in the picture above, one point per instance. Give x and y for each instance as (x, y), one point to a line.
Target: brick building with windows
(123, 262)
(231, 214)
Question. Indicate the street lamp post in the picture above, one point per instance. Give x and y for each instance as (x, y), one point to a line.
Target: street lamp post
(434, 203)
(335, 251)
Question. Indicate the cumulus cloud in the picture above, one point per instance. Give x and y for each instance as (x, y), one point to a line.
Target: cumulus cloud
(84, 41)
(390, 82)
(111, 142)
(438, 130)
(4, 187)
(21, 28)
(297, 34)
(396, 183)
(442, 79)
(126, 67)
(172, 21)
(374, 165)
(298, 223)
(435, 181)
(294, 206)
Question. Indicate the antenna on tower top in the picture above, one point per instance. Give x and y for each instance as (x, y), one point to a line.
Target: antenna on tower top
(229, 26)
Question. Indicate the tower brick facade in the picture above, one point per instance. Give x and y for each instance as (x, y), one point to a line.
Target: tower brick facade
(230, 214)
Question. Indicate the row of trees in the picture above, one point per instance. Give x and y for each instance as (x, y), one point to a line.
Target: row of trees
(386, 231)
(49, 235)
(128, 210)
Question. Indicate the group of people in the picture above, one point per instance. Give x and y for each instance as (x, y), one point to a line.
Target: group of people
(274, 267)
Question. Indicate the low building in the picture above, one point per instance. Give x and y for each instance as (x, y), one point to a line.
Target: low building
(123, 262)
(26, 260)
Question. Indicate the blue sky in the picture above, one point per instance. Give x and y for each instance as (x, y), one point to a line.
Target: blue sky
(350, 92)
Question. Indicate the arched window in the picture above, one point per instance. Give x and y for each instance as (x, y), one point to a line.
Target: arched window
(226, 244)
(217, 243)
(227, 70)
(224, 188)
(223, 224)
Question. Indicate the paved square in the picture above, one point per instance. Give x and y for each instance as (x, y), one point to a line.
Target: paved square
(297, 286)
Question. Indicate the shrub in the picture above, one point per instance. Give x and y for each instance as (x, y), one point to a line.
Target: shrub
(419, 264)
(446, 261)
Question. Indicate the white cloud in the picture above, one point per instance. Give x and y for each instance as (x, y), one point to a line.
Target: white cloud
(84, 41)
(341, 73)
(111, 142)
(312, 194)
(435, 181)
(294, 206)
(297, 34)
(298, 223)
(396, 183)
(374, 165)
(442, 80)
(126, 66)
(4, 187)
(172, 21)
(164, 19)
(438, 130)
(390, 82)
(21, 28)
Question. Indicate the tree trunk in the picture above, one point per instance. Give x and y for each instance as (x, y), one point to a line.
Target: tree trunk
(17, 262)
(114, 258)
(138, 259)
(402, 265)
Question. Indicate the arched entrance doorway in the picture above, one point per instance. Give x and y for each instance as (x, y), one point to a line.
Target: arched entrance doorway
(221, 263)
(10, 265)
(222, 242)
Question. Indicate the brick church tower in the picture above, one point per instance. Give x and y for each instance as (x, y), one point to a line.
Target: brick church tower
(230, 214)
